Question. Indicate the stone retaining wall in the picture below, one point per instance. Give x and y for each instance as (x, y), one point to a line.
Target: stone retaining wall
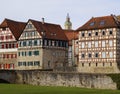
(99, 81)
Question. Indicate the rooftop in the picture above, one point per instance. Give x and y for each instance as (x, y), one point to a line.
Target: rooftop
(100, 23)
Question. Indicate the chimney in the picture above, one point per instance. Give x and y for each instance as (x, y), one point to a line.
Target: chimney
(43, 21)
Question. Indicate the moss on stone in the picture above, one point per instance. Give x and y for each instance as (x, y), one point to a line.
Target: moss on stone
(116, 79)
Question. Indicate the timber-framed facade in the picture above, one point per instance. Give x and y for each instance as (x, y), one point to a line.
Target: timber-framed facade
(99, 45)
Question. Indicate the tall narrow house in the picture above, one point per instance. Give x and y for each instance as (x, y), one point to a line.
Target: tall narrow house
(99, 45)
(42, 46)
(10, 31)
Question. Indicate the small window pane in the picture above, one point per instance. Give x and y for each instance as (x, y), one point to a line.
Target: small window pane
(110, 43)
(103, 55)
(89, 55)
(83, 44)
(103, 43)
(89, 44)
(92, 23)
(82, 34)
(96, 33)
(82, 55)
(96, 43)
(111, 54)
(96, 55)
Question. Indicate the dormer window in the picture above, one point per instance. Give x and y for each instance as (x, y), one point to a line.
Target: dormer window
(92, 23)
(102, 22)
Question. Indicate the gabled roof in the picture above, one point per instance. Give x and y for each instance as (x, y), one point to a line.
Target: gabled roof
(71, 34)
(15, 27)
(52, 31)
(100, 23)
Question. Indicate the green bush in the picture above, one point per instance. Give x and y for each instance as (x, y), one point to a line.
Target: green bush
(116, 79)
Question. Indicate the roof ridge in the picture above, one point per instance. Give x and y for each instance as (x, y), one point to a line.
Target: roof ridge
(44, 22)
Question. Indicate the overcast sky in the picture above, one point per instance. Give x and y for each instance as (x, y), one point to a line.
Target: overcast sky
(55, 11)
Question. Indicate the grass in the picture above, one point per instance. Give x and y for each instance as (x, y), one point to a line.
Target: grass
(30, 89)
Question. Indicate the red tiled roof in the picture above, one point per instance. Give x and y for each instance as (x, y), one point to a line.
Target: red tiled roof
(109, 22)
(15, 27)
(52, 31)
(71, 34)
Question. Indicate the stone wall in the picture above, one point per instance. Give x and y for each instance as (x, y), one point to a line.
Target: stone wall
(92, 68)
(99, 81)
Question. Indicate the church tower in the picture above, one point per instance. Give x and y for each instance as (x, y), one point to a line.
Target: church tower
(68, 24)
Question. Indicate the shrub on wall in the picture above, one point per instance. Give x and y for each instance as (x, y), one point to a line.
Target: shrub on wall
(116, 79)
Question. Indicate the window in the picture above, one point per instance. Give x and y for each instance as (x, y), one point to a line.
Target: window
(25, 53)
(110, 43)
(89, 55)
(19, 63)
(111, 54)
(18, 53)
(33, 33)
(92, 23)
(26, 34)
(24, 43)
(102, 22)
(103, 43)
(53, 43)
(24, 63)
(36, 52)
(96, 55)
(35, 42)
(82, 55)
(50, 43)
(96, 33)
(30, 63)
(30, 43)
(38, 42)
(82, 34)
(96, 43)
(30, 53)
(82, 45)
(60, 44)
(89, 44)
(103, 55)
(1, 37)
(110, 32)
(36, 63)
(89, 33)
(22, 53)
(29, 26)
(103, 32)
(57, 44)
(10, 46)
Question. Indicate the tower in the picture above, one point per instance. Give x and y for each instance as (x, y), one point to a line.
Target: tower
(68, 24)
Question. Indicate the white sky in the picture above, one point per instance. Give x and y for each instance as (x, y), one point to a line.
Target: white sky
(55, 11)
